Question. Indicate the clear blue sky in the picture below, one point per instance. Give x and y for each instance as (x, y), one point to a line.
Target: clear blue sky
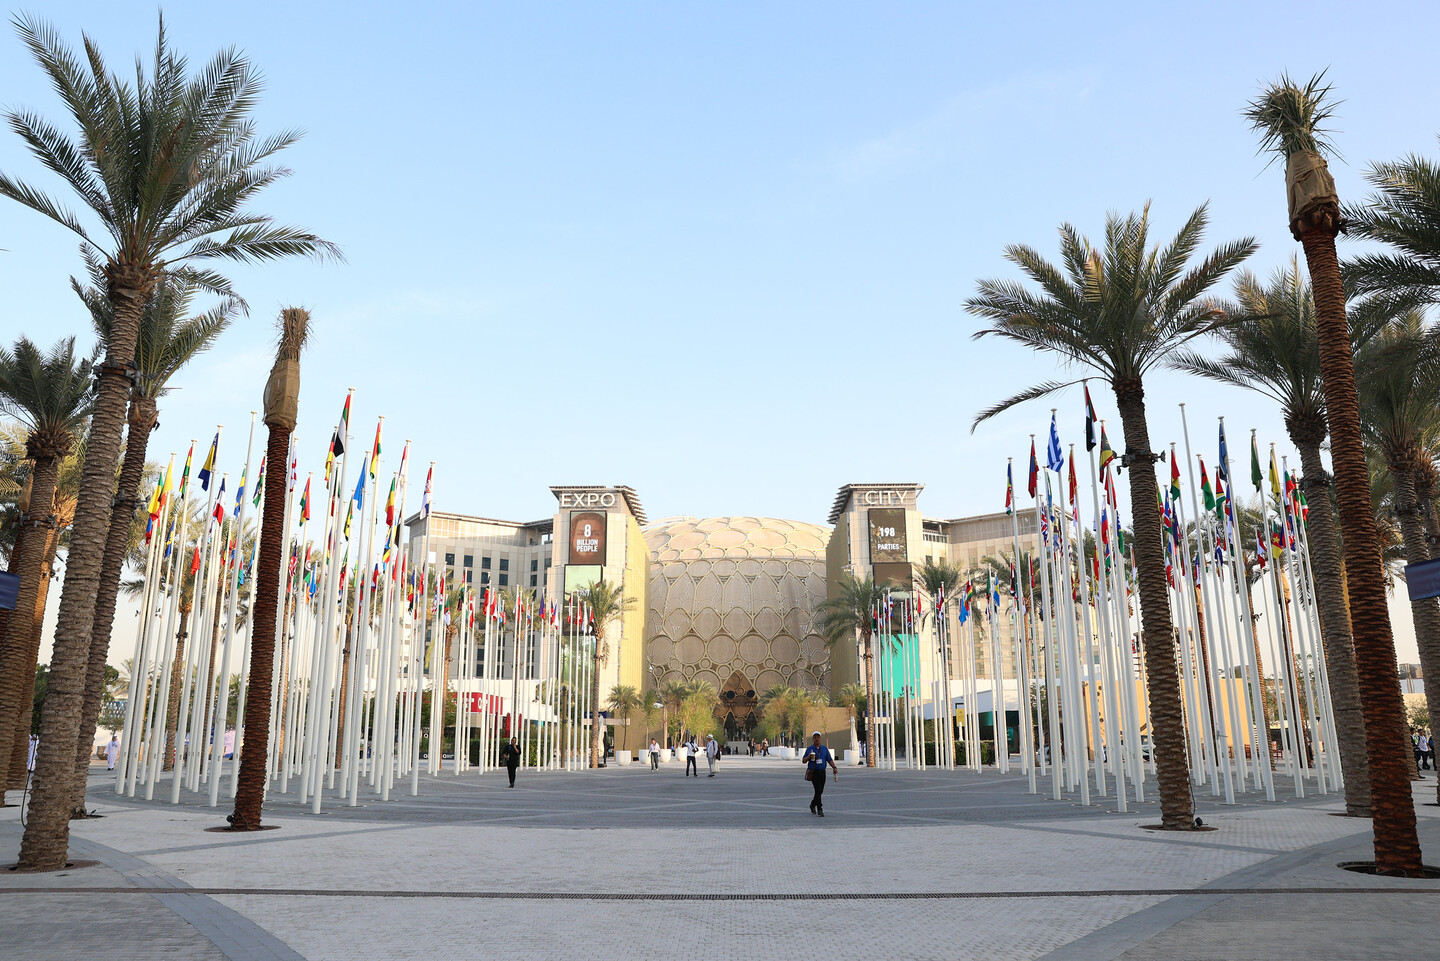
(746, 229)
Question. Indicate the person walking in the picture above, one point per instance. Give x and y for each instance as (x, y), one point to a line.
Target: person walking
(1422, 750)
(1415, 746)
(690, 752)
(712, 752)
(512, 759)
(654, 755)
(112, 750)
(816, 757)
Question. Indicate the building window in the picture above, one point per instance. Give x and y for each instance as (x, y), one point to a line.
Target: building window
(484, 577)
(535, 565)
(469, 577)
(484, 563)
(504, 580)
(469, 560)
(534, 580)
(449, 560)
(504, 563)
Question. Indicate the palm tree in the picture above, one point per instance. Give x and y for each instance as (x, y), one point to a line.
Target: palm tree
(1399, 378)
(1289, 118)
(50, 394)
(850, 611)
(605, 602)
(1405, 214)
(165, 164)
(1120, 311)
(170, 337)
(672, 696)
(624, 701)
(1277, 353)
(282, 397)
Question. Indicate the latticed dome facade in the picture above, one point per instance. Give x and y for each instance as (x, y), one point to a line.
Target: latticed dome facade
(733, 602)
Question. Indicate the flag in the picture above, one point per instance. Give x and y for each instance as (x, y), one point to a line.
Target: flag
(1009, 490)
(425, 500)
(1259, 549)
(1275, 479)
(1089, 421)
(1220, 495)
(1107, 453)
(305, 501)
(375, 453)
(1174, 478)
(1074, 490)
(1034, 469)
(1205, 487)
(349, 513)
(1054, 457)
(153, 507)
(390, 503)
(1257, 477)
(294, 471)
(337, 443)
(240, 491)
(195, 561)
(185, 474)
(208, 469)
(259, 482)
(1222, 473)
(359, 497)
(219, 513)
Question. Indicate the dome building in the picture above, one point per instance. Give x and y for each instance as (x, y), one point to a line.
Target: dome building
(732, 602)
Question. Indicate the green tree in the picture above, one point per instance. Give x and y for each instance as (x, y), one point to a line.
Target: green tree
(49, 393)
(170, 337)
(849, 613)
(1120, 310)
(164, 165)
(672, 695)
(605, 602)
(624, 701)
(1289, 118)
(1404, 214)
(1276, 353)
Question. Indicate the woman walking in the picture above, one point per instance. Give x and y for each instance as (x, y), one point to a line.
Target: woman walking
(816, 757)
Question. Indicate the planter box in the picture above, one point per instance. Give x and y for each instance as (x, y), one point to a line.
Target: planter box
(623, 758)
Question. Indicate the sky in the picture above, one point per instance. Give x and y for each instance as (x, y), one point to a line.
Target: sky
(719, 253)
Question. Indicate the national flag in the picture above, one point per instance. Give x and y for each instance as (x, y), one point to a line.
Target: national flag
(195, 561)
(390, 502)
(208, 469)
(1009, 490)
(185, 474)
(153, 507)
(1089, 421)
(240, 493)
(1205, 487)
(149, 528)
(1074, 489)
(1222, 471)
(259, 482)
(219, 512)
(425, 500)
(1054, 456)
(359, 496)
(375, 453)
(294, 471)
(1034, 469)
(1107, 453)
(1257, 477)
(1260, 551)
(305, 501)
(349, 513)
(1220, 495)
(1174, 478)
(1275, 478)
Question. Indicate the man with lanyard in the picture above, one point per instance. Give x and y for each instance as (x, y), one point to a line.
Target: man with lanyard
(690, 752)
(712, 751)
(816, 757)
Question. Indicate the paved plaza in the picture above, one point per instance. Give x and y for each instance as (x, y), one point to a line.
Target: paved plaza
(626, 863)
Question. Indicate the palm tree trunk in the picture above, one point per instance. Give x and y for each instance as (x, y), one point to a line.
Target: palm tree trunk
(132, 471)
(1397, 845)
(1335, 632)
(20, 750)
(250, 786)
(17, 663)
(1167, 721)
(47, 833)
(1425, 613)
(597, 725)
(177, 678)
